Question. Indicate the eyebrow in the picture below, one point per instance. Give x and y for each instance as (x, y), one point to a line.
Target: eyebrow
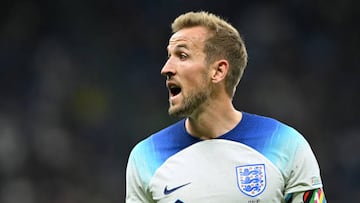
(179, 46)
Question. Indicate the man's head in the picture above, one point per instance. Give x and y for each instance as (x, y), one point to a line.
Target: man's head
(224, 42)
(206, 59)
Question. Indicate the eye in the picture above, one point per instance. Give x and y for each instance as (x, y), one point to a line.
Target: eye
(183, 56)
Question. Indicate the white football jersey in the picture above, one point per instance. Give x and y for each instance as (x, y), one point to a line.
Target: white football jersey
(260, 160)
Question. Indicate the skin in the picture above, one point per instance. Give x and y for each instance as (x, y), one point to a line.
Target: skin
(203, 99)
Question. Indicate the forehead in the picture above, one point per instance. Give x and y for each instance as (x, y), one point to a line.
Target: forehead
(193, 37)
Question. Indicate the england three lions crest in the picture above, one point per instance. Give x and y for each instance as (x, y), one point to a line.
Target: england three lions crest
(251, 179)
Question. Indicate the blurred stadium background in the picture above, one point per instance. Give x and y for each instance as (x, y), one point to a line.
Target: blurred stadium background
(80, 84)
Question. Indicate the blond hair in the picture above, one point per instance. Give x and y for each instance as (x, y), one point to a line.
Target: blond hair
(224, 41)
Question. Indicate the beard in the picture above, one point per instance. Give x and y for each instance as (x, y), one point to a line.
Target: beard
(192, 101)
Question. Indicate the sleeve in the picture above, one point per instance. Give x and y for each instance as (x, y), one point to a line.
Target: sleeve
(304, 175)
(135, 189)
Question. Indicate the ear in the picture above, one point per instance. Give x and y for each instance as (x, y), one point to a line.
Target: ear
(220, 70)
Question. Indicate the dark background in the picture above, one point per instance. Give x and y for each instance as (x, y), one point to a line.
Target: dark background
(80, 85)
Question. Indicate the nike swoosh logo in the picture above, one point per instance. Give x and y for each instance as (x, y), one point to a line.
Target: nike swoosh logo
(171, 190)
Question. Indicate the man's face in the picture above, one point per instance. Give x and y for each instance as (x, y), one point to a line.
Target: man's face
(187, 72)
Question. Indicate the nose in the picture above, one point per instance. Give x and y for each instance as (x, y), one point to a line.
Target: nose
(168, 70)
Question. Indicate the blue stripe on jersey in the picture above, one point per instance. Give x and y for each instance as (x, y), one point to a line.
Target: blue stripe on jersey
(152, 152)
(266, 135)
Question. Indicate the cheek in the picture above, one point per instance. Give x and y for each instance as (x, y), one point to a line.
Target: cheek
(198, 81)
(194, 75)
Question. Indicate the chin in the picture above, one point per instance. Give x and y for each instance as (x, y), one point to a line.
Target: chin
(176, 112)
(179, 112)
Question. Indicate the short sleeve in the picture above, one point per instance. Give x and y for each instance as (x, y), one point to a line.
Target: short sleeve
(305, 172)
(135, 189)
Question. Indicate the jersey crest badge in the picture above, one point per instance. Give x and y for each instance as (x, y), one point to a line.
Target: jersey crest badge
(251, 179)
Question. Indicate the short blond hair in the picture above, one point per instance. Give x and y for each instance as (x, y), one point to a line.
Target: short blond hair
(224, 42)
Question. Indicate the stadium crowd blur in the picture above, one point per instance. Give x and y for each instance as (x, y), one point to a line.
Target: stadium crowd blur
(80, 84)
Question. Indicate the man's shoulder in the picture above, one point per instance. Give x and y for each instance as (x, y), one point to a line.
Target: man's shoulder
(263, 129)
(175, 128)
(167, 141)
(267, 122)
(159, 146)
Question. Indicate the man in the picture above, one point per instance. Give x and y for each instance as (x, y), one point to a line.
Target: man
(217, 153)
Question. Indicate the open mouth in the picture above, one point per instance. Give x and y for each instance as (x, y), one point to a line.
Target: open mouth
(174, 90)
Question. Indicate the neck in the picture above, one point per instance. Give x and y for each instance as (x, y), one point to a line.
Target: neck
(213, 122)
